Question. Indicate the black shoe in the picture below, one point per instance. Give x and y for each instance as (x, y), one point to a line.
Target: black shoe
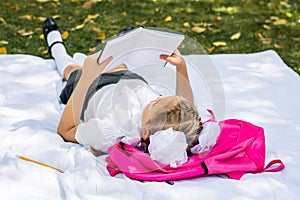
(48, 26)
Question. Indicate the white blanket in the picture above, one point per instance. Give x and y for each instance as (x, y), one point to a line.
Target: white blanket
(258, 88)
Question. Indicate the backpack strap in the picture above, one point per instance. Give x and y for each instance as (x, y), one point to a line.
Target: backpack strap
(212, 116)
(270, 168)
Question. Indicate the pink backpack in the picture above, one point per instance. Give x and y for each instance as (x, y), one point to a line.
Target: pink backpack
(240, 149)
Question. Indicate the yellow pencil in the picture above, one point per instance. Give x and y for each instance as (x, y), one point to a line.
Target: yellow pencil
(39, 163)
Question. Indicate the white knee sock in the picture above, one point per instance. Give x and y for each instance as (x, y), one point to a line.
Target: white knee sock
(59, 52)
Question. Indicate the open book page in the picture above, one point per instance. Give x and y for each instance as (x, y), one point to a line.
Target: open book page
(140, 47)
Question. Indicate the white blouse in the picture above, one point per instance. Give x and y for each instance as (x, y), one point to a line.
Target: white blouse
(114, 114)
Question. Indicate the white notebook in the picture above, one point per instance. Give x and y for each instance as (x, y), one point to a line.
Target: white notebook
(140, 47)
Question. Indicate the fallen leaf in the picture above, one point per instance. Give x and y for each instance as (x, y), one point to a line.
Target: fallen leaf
(220, 44)
(101, 36)
(88, 4)
(268, 21)
(3, 42)
(92, 50)
(25, 33)
(143, 23)
(266, 40)
(236, 36)
(45, 52)
(96, 29)
(87, 21)
(198, 29)
(3, 21)
(65, 35)
(93, 16)
(280, 22)
(80, 26)
(229, 10)
(168, 19)
(217, 18)
(288, 14)
(41, 19)
(263, 39)
(42, 37)
(266, 27)
(278, 46)
(56, 16)
(186, 24)
(296, 39)
(3, 50)
(27, 17)
(211, 49)
(259, 36)
(43, 1)
(274, 18)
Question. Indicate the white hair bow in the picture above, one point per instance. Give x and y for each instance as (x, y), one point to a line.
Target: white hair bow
(168, 147)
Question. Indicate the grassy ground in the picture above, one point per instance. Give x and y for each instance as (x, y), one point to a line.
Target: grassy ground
(238, 26)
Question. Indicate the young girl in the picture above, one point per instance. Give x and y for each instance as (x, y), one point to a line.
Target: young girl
(103, 109)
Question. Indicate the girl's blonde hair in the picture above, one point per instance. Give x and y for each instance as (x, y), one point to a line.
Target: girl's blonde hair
(177, 113)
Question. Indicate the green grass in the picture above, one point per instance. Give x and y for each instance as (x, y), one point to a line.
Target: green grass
(254, 19)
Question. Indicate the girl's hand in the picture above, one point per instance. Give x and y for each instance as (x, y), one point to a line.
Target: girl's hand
(91, 69)
(175, 59)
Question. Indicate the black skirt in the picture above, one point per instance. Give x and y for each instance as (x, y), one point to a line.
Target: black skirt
(101, 81)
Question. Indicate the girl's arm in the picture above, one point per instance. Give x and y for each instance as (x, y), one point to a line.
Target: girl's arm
(71, 115)
(183, 86)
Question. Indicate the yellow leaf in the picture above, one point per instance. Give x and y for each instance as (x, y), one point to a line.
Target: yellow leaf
(65, 35)
(45, 51)
(42, 37)
(288, 14)
(143, 23)
(280, 22)
(3, 21)
(266, 40)
(92, 50)
(296, 39)
(3, 42)
(74, 1)
(168, 19)
(3, 50)
(25, 33)
(96, 29)
(80, 26)
(266, 27)
(236, 36)
(43, 1)
(229, 10)
(93, 16)
(101, 36)
(274, 18)
(198, 29)
(27, 17)
(211, 49)
(220, 44)
(56, 16)
(186, 24)
(278, 46)
(41, 19)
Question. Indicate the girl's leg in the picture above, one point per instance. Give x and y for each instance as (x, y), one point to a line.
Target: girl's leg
(69, 69)
(57, 48)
